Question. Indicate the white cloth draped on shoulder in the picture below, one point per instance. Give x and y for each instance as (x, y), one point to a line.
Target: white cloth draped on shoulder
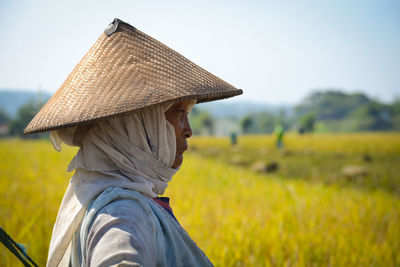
(135, 152)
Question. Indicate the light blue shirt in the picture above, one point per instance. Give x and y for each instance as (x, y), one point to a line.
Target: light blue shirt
(123, 227)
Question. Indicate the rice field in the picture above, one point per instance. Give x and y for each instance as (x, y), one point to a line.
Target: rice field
(245, 205)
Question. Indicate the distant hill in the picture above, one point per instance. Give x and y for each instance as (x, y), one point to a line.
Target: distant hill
(12, 100)
(238, 109)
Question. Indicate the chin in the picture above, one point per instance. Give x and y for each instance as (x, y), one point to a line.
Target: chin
(178, 161)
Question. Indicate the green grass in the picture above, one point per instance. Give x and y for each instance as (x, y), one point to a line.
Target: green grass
(304, 214)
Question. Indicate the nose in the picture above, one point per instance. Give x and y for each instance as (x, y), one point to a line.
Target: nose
(187, 131)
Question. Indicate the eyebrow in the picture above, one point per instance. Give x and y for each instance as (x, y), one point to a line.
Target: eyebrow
(180, 105)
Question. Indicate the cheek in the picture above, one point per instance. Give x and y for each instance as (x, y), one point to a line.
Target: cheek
(178, 122)
(176, 129)
(179, 125)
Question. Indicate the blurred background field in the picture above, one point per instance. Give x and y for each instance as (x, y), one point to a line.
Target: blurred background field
(324, 199)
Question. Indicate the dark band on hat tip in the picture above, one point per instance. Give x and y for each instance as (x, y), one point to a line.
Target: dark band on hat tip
(114, 26)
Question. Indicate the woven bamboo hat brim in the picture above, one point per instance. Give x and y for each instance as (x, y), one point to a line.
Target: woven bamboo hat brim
(124, 71)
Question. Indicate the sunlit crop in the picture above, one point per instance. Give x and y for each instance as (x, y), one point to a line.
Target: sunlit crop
(304, 212)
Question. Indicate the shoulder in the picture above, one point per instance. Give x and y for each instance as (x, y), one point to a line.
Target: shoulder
(118, 198)
(118, 206)
(123, 209)
(122, 230)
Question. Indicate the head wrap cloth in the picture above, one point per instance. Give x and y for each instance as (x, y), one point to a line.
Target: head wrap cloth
(134, 151)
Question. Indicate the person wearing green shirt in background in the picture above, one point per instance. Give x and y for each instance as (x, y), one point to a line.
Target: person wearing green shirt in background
(279, 136)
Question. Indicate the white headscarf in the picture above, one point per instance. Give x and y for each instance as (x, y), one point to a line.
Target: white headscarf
(134, 152)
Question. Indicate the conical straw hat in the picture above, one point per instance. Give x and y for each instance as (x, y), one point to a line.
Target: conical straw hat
(124, 71)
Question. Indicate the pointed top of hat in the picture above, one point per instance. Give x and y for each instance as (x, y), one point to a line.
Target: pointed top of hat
(124, 71)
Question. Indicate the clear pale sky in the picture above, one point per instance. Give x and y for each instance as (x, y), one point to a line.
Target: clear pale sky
(276, 51)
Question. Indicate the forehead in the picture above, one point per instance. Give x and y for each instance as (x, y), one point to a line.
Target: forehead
(187, 104)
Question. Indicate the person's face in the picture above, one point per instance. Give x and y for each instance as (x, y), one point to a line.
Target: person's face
(177, 115)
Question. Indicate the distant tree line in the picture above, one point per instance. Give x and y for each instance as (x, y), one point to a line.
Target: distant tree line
(25, 114)
(335, 111)
(328, 111)
(202, 122)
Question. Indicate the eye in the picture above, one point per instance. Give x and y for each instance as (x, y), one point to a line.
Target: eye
(180, 111)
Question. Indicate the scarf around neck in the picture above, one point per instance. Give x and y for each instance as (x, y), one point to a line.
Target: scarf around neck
(135, 152)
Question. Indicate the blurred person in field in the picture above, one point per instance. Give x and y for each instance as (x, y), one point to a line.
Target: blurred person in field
(279, 132)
